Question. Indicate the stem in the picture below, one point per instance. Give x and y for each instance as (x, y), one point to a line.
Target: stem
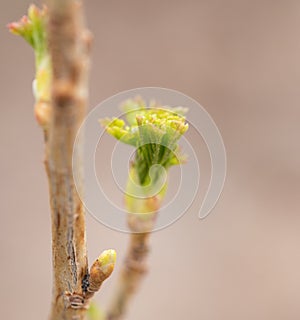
(132, 274)
(61, 45)
(68, 48)
(141, 217)
(154, 133)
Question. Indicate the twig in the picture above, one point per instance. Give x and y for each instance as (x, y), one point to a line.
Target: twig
(68, 50)
(134, 267)
(132, 274)
(154, 132)
(61, 45)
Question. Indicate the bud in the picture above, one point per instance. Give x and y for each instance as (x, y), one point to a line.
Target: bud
(101, 270)
(154, 132)
(33, 29)
(42, 112)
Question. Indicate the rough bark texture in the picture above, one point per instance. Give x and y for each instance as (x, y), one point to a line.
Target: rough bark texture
(69, 46)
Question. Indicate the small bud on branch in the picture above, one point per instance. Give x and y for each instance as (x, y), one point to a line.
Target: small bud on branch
(100, 270)
(33, 29)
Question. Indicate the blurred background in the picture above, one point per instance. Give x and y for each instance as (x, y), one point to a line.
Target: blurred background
(240, 60)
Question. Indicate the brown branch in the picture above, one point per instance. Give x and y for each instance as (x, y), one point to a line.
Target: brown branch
(132, 273)
(135, 264)
(61, 45)
(68, 46)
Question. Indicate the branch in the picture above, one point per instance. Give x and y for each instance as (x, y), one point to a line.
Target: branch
(132, 273)
(61, 45)
(154, 132)
(134, 267)
(68, 47)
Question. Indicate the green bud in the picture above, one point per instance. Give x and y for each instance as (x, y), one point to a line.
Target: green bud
(107, 260)
(33, 29)
(154, 132)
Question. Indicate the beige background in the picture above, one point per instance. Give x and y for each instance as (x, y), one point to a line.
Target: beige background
(240, 60)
